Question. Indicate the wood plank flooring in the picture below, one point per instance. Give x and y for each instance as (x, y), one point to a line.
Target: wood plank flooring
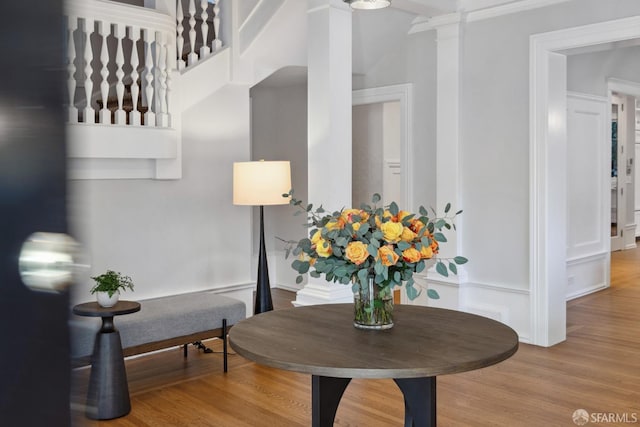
(596, 369)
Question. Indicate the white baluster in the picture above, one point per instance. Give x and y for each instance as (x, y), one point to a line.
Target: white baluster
(204, 28)
(134, 115)
(162, 118)
(149, 116)
(120, 114)
(105, 114)
(168, 97)
(216, 43)
(179, 38)
(71, 68)
(89, 113)
(192, 58)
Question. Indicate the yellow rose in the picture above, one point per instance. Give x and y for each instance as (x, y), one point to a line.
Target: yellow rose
(335, 224)
(316, 238)
(401, 215)
(386, 214)
(356, 252)
(407, 235)
(356, 226)
(323, 248)
(392, 231)
(411, 255)
(426, 252)
(387, 256)
(348, 214)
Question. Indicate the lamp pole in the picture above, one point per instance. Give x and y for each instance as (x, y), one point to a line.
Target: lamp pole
(263, 287)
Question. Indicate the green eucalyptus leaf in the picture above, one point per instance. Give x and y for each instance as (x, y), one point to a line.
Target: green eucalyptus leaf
(433, 294)
(439, 237)
(397, 277)
(403, 245)
(393, 208)
(378, 268)
(372, 249)
(423, 211)
(420, 266)
(412, 293)
(460, 260)
(453, 268)
(299, 279)
(376, 198)
(315, 274)
(447, 208)
(442, 269)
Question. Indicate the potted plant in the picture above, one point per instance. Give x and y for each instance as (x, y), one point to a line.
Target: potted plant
(108, 286)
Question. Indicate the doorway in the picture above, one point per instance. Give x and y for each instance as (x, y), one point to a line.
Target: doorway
(548, 271)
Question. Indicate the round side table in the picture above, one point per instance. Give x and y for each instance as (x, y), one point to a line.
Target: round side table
(108, 394)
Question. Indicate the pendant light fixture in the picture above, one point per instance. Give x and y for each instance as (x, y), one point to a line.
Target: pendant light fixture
(368, 4)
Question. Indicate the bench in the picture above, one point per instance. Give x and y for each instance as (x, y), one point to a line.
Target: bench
(175, 320)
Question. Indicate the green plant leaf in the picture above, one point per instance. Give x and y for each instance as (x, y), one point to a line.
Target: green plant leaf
(372, 249)
(439, 237)
(423, 211)
(393, 208)
(378, 268)
(315, 274)
(433, 294)
(299, 279)
(376, 198)
(403, 245)
(460, 260)
(447, 208)
(453, 268)
(412, 293)
(442, 269)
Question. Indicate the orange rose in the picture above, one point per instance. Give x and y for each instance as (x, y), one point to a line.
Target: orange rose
(401, 215)
(323, 248)
(387, 256)
(391, 231)
(434, 246)
(416, 226)
(356, 252)
(426, 252)
(407, 235)
(411, 255)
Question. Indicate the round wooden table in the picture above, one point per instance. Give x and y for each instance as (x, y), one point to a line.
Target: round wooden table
(108, 395)
(425, 342)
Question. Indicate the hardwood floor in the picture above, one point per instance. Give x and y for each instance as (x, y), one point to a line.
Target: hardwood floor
(596, 369)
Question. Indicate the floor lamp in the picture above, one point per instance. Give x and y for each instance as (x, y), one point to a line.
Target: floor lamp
(261, 183)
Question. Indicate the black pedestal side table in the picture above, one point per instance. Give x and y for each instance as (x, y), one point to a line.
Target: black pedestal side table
(108, 395)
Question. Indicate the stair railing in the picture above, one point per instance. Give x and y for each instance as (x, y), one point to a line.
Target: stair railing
(118, 53)
(197, 31)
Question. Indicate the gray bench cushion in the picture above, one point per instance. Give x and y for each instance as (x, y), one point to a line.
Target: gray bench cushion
(161, 319)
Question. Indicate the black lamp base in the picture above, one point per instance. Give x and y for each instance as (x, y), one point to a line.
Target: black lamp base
(263, 287)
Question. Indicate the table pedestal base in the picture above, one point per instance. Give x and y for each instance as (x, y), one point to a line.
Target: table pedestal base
(419, 400)
(108, 395)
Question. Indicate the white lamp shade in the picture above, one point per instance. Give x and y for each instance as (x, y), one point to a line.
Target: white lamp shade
(261, 183)
(369, 4)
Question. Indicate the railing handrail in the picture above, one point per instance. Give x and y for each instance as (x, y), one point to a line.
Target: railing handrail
(121, 13)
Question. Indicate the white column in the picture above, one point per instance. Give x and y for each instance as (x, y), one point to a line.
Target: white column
(449, 38)
(329, 125)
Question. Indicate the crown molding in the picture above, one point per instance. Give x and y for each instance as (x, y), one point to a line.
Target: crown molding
(422, 23)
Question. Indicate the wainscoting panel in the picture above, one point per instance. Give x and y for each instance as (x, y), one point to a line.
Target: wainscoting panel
(588, 274)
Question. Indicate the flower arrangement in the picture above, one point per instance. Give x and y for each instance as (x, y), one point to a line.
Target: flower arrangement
(388, 244)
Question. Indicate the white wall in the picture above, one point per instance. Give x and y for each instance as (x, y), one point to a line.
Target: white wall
(175, 236)
(367, 152)
(279, 132)
(588, 72)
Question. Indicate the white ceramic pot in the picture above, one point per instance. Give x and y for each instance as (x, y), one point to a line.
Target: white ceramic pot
(104, 300)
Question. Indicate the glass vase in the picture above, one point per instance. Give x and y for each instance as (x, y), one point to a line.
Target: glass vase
(373, 306)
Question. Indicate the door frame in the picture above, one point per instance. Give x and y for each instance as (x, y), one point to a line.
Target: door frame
(402, 93)
(547, 188)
